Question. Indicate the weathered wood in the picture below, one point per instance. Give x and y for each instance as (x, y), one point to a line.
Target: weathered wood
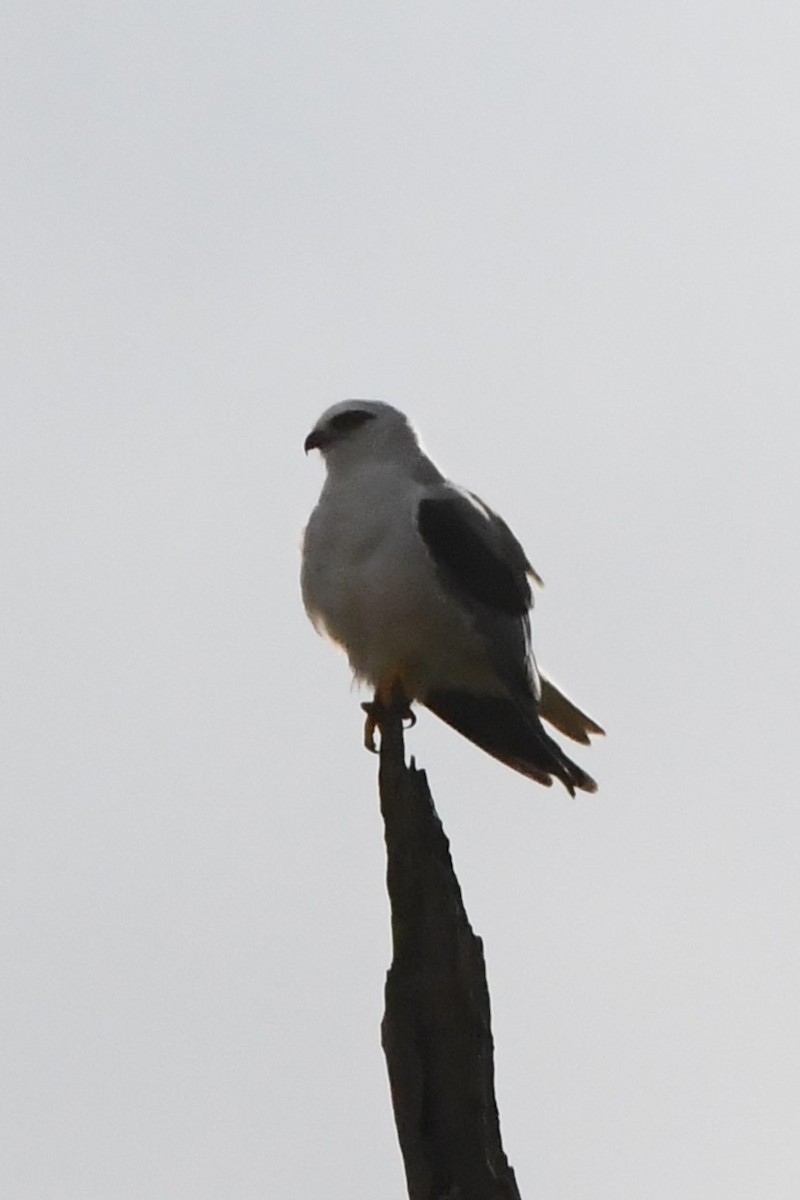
(436, 1028)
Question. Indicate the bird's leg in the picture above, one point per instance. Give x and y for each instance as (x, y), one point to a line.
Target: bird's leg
(388, 701)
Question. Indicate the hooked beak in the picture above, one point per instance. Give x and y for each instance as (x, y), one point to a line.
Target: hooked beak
(315, 441)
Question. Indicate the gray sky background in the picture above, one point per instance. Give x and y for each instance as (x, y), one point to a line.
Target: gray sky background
(563, 238)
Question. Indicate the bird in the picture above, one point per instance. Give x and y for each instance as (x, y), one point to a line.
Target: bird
(429, 593)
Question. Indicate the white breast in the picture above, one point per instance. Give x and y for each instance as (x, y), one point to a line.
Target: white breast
(369, 583)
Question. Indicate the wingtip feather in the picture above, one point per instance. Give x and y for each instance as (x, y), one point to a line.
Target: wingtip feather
(512, 733)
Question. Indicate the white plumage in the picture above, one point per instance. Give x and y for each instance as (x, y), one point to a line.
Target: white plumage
(428, 590)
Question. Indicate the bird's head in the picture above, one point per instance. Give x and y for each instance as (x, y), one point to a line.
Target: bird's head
(355, 431)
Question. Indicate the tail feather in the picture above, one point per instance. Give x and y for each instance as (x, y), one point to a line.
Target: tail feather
(559, 711)
(510, 732)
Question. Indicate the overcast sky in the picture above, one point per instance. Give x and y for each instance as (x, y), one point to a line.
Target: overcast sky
(564, 238)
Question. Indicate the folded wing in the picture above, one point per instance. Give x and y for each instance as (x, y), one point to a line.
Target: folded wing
(483, 568)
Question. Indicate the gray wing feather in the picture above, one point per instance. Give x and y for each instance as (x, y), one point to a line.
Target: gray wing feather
(484, 568)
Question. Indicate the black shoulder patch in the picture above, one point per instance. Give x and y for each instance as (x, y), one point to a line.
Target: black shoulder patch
(468, 560)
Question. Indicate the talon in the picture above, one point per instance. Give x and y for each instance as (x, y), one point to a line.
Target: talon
(393, 703)
(370, 725)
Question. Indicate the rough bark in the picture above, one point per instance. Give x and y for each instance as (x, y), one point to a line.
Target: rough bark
(436, 1029)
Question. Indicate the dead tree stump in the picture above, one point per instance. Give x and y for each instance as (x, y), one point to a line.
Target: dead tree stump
(436, 1030)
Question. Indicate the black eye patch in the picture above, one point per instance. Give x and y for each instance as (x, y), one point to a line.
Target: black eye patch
(346, 422)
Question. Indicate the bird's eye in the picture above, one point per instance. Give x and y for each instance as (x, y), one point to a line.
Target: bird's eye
(346, 422)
